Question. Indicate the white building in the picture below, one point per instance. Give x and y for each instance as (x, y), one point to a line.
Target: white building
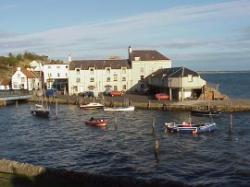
(179, 82)
(55, 76)
(115, 74)
(24, 79)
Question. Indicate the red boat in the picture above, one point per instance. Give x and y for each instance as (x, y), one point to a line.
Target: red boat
(97, 122)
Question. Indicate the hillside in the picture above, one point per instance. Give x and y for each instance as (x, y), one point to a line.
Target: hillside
(8, 64)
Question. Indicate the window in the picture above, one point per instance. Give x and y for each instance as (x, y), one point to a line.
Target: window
(57, 67)
(49, 67)
(78, 70)
(75, 88)
(115, 77)
(91, 70)
(124, 87)
(190, 78)
(124, 70)
(22, 79)
(115, 88)
(49, 74)
(78, 79)
(66, 67)
(66, 75)
(108, 79)
(142, 77)
(58, 74)
(123, 78)
(92, 79)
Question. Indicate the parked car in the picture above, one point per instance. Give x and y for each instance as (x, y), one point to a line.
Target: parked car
(86, 94)
(161, 96)
(116, 93)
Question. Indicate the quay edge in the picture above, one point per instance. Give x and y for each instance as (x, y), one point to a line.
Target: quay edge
(229, 105)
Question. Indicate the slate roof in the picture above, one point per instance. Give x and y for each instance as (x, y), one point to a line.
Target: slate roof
(99, 64)
(147, 55)
(174, 72)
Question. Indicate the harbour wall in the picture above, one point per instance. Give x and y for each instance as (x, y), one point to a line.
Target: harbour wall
(22, 174)
(228, 105)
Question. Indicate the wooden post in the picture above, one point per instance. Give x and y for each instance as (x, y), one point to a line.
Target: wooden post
(149, 104)
(170, 94)
(157, 150)
(153, 126)
(231, 123)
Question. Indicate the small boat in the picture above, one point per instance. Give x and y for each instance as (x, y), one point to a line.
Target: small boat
(190, 128)
(119, 109)
(208, 113)
(97, 122)
(40, 111)
(92, 106)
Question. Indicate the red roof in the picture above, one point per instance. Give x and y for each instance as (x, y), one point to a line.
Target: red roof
(5, 82)
(29, 74)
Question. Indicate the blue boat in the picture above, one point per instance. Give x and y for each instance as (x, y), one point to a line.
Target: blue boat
(190, 128)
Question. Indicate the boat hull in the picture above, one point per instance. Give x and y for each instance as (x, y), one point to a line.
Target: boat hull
(205, 113)
(39, 113)
(190, 129)
(92, 106)
(119, 109)
(97, 123)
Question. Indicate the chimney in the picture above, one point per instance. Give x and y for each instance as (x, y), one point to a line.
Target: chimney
(130, 50)
(69, 58)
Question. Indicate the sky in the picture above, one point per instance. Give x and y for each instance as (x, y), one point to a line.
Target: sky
(198, 34)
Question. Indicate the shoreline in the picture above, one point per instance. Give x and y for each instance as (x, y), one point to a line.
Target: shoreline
(229, 105)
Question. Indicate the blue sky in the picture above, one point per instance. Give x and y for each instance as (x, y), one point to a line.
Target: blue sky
(202, 35)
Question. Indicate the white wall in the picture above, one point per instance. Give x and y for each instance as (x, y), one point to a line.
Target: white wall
(54, 71)
(19, 80)
(100, 80)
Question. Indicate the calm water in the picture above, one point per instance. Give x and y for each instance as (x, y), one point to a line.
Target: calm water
(127, 149)
(235, 85)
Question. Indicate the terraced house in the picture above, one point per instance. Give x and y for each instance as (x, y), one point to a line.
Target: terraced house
(115, 74)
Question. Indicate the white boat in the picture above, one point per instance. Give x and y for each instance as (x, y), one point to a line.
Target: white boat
(119, 109)
(40, 111)
(92, 106)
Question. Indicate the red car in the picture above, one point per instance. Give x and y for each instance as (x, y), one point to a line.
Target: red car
(116, 93)
(161, 96)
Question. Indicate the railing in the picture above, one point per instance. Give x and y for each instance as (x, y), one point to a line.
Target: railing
(13, 93)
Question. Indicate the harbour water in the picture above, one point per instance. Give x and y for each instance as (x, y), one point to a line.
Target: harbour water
(126, 146)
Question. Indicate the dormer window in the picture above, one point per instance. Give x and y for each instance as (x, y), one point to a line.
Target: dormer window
(92, 70)
(78, 70)
(137, 58)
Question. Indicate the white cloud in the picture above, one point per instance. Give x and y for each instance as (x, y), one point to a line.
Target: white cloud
(117, 34)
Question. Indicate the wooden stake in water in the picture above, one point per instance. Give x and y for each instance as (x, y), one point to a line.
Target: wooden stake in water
(157, 150)
(115, 124)
(16, 103)
(153, 126)
(56, 109)
(231, 123)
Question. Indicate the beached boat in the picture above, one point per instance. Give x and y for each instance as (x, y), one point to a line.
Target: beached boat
(40, 110)
(97, 122)
(190, 128)
(119, 109)
(92, 106)
(207, 113)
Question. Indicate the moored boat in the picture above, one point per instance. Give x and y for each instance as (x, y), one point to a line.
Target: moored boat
(119, 109)
(208, 113)
(190, 128)
(97, 122)
(92, 106)
(40, 111)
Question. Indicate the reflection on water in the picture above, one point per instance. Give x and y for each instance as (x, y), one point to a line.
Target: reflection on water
(127, 146)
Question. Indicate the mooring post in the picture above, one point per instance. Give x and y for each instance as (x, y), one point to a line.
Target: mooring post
(115, 124)
(231, 123)
(149, 104)
(157, 150)
(153, 126)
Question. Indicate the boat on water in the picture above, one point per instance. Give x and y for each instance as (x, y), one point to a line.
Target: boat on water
(208, 113)
(190, 128)
(97, 122)
(119, 109)
(40, 111)
(92, 106)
